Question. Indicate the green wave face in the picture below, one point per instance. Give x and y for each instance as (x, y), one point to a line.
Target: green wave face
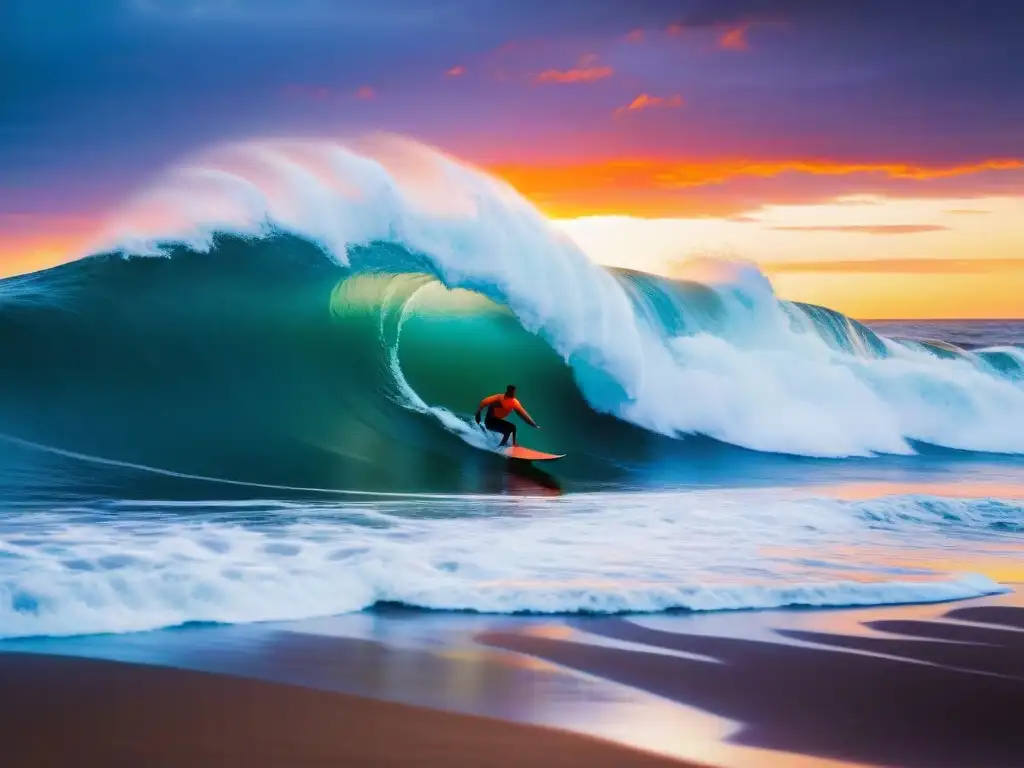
(264, 361)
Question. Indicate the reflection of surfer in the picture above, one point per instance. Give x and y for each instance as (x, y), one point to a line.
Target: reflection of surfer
(500, 406)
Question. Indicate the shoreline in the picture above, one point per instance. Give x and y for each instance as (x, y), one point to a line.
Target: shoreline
(921, 686)
(939, 686)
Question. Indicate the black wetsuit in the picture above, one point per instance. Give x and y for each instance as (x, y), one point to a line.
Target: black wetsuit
(495, 424)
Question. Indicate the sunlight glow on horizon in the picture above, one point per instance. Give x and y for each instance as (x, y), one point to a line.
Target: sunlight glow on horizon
(777, 236)
(868, 257)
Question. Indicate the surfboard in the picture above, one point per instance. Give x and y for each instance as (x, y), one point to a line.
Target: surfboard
(528, 454)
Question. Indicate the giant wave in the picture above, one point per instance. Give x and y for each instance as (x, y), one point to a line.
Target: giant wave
(312, 314)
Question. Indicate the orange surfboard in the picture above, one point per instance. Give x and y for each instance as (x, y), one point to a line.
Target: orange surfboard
(528, 454)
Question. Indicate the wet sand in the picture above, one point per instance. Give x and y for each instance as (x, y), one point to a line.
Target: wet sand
(61, 711)
(920, 686)
(939, 692)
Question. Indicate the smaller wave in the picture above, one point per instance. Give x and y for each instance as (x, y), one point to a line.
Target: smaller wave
(969, 515)
(85, 571)
(1004, 361)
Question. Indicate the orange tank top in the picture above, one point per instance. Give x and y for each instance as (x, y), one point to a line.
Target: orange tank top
(500, 406)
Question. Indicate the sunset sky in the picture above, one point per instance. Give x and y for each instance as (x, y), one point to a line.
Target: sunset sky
(868, 154)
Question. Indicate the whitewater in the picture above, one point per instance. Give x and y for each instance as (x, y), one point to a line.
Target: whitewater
(252, 400)
(130, 566)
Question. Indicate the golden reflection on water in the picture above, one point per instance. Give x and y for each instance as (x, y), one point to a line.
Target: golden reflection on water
(960, 490)
(1003, 562)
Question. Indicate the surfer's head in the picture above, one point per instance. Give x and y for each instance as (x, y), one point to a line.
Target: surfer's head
(510, 390)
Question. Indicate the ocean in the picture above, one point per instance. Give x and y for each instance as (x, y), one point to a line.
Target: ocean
(261, 409)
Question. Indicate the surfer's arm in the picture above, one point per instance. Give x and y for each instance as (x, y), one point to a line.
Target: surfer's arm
(525, 416)
(484, 403)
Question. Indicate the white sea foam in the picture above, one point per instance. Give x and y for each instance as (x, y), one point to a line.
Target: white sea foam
(138, 569)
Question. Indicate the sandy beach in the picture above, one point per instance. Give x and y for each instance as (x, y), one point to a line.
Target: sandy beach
(60, 711)
(934, 686)
(941, 692)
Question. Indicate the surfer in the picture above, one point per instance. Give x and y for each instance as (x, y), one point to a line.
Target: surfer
(500, 406)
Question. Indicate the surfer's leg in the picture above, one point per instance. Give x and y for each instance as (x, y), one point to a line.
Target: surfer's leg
(506, 428)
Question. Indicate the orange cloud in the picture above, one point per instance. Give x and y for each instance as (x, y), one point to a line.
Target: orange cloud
(636, 36)
(899, 266)
(869, 229)
(676, 29)
(366, 92)
(695, 174)
(687, 188)
(587, 70)
(646, 101)
(735, 39)
(967, 211)
(457, 71)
